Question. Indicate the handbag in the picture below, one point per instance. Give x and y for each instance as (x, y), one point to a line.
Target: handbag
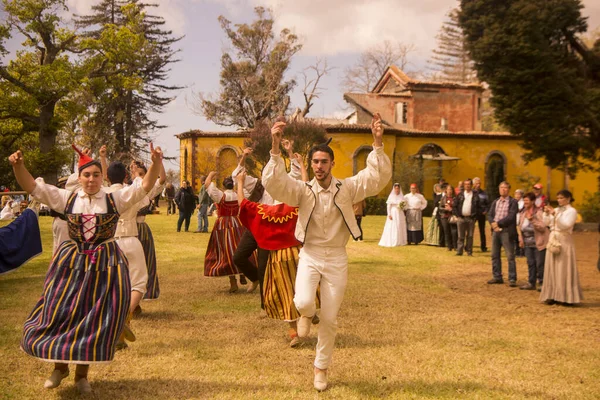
(454, 219)
(553, 243)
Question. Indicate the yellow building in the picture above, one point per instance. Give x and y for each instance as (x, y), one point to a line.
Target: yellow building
(456, 149)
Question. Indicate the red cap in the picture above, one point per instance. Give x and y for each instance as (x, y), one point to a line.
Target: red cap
(413, 185)
(538, 186)
(84, 160)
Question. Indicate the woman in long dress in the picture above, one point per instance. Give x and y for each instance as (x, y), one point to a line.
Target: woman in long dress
(432, 235)
(226, 234)
(445, 210)
(394, 231)
(561, 278)
(82, 310)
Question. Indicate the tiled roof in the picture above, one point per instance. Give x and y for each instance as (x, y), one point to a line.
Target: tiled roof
(400, 76)
(401, 131)
(199, 133)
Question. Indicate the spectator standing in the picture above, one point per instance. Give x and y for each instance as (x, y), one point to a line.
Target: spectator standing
(415, 204)
(484, 205)
(204, 201)
(540, 200)
(169, 194)
(448, 226)
(186, 203)
(519, 252)
(533, 237)
(466, 208)
(561, 280)
(502, 215)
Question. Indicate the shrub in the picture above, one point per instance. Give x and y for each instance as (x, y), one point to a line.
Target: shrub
(376, 206)
(590, 207)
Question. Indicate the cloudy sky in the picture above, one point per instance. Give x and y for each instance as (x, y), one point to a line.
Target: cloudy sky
(337, 30)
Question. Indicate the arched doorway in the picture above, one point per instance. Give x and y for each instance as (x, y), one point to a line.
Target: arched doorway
(227, 160)
(359, 158)
(495, 173)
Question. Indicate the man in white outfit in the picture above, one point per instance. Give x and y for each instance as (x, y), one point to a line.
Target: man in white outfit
(325, 205)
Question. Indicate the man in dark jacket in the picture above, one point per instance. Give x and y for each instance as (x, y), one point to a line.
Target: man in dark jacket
(466, 208)
(502, 215)
(186, 202)
(204, 203)
(484, 205)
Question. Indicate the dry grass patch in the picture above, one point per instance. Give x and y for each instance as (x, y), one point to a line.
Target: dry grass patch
(416, 322)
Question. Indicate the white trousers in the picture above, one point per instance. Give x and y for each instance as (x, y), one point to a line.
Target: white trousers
(138, 271)
(330, 269)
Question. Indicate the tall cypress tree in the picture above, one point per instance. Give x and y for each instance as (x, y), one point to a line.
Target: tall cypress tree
(126, 100)
(451, 60)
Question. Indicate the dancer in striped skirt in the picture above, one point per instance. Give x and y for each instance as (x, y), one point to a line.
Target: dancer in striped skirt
(86, 295)
(273, 228)
(226, 234)
(145, 235)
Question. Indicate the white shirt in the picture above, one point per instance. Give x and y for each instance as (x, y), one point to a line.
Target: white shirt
(128, 220)
(415, 201)
(466, 207)
(7, 213)
(250, 181)
(326, 228)
(216, 195)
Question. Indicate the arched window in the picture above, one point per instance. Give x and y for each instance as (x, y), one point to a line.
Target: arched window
(227, 160)
(359, 158)
(495, 172)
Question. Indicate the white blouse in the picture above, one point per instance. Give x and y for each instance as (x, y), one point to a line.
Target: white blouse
(563, 220)
(216, 195)
(415, 201)
(57, 199)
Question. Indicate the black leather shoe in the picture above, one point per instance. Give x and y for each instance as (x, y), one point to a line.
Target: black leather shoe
(512, 284)
(495, 281)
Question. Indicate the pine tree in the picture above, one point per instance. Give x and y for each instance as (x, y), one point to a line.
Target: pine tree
(127, 100)
(451, 61)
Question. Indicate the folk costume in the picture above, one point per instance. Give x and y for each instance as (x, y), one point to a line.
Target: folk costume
(415, 204)
(147, 240)
(86, 295)
(394, 231)
(273, 227)
(225, 236)
(434, 235)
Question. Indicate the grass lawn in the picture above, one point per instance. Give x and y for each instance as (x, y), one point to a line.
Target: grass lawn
(416, 322)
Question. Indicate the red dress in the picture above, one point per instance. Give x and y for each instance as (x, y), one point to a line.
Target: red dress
(224, 238)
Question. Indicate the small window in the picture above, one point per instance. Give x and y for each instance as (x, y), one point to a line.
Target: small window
(402, 113)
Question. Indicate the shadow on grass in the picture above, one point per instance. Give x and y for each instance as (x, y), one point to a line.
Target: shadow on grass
(428, 389)
(165, 315)
(152, 388)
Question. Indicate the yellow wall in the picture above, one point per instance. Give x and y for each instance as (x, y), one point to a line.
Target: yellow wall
(471, 151)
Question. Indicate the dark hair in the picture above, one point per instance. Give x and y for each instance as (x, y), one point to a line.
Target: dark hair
(396, 184)
(141, 165)
(566, 193)
(504, 183)
(320, 147)
(90, 164)
(228, 183)
(451, 187)
(116, 172)
(468, 180)
(530, 196)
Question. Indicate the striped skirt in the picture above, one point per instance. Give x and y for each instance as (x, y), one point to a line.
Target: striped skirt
(83, 308)
(145, 237)
(279, 283)
(224, 239)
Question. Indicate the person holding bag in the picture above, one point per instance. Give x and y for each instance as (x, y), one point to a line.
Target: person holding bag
(561, 278)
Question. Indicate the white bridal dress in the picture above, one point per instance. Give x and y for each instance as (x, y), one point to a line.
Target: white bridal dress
(394, 231)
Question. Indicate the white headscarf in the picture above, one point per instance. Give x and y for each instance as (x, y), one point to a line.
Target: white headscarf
(394, 198)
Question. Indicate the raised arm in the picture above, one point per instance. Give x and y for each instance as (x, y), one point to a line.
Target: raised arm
(103, 162)
(275, 178)
(24, 178)
(215, 194)
(377, 174)
(156, 155)
(240, 178)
